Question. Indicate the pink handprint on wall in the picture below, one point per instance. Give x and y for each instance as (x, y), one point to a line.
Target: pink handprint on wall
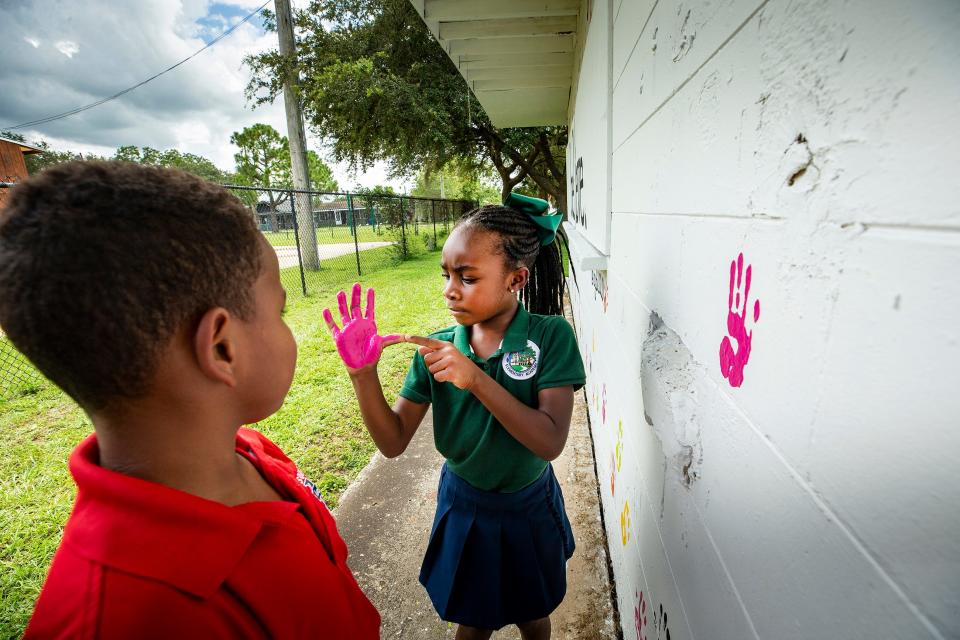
(640, 617)
(358, 343)
(733, 360)
(603, 406)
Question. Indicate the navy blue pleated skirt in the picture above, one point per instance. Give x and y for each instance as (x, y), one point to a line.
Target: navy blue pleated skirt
(497, 558)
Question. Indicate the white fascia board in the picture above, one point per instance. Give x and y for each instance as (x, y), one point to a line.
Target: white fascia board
(583, 255)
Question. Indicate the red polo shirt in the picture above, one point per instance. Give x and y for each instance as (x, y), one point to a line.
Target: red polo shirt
(142, 560)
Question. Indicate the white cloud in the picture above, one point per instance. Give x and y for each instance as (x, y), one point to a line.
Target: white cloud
(194, 108)
(67, 48)
(190, 134)
(82, 148)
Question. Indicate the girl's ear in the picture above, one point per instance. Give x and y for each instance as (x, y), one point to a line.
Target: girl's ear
(215, 347)
(518, 279)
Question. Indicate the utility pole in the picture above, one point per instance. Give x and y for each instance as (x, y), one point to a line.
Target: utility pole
(298, 149)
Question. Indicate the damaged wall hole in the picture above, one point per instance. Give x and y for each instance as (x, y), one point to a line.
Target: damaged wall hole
(799, 173)
(668, 372)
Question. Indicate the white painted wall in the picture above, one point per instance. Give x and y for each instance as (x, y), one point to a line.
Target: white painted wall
(820, 139)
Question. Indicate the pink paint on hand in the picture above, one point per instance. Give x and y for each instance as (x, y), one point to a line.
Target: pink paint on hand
(732, 361)
(358, 343)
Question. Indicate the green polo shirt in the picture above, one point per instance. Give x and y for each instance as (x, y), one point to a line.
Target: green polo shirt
(537, 352)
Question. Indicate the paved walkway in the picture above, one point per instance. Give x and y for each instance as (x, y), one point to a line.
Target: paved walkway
(386, 515)
(288, 255)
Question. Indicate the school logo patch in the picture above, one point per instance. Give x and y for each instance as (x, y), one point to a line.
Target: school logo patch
(308, 483)
(522, 365)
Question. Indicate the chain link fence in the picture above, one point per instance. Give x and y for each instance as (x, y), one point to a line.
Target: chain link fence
(323, 237)
(17, 376)
(319, 237)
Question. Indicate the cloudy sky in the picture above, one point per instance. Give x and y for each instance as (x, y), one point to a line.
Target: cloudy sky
(61, 54)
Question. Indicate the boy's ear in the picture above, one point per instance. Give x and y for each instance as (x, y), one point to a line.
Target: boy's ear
(215, 347)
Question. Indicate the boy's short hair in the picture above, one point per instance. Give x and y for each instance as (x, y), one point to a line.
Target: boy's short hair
(102, 262)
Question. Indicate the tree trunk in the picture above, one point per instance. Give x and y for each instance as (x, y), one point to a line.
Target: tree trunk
(539, 166)
(274, 223)
(561, 198)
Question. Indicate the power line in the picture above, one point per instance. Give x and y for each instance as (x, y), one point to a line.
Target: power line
(139, 84)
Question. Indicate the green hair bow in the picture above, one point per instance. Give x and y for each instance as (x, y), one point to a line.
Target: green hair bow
(537, 209)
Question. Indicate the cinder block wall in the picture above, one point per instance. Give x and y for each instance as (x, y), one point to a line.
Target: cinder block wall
(780, 462)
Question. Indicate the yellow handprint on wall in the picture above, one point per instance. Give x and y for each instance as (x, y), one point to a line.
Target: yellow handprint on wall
(618, 450)
(625, 523)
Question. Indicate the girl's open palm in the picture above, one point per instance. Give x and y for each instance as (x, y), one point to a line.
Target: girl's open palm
(358, 343)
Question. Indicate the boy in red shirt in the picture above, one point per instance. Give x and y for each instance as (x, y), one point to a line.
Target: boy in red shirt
(150, 297)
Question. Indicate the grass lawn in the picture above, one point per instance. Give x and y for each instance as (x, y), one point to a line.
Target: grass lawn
(318, 426)
(331, 235)
(365, 233)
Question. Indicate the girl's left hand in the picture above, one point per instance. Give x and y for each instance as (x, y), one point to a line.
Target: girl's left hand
(358, 342)
(447, 363)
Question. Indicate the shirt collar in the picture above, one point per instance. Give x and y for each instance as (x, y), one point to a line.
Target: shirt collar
(514, 338)
(152, 530)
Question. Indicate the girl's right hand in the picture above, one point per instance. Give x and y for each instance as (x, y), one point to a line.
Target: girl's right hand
(445, 362)
(358, 343)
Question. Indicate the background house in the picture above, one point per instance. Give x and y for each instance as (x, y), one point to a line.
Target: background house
(13, 167)
(325, 214)
(764, 221)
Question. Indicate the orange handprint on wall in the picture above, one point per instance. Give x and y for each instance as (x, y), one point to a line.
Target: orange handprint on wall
(613, 475)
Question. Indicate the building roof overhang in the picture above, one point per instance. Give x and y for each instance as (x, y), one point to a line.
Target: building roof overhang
(517, 56)
(25, 149)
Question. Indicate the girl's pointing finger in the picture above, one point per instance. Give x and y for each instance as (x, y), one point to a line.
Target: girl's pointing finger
(427, 342)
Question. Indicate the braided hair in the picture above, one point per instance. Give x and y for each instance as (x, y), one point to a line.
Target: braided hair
(520, 244)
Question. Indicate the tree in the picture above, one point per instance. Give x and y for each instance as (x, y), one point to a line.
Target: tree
(377, 191)
(263, 156)
(246, 196)
(457, 181)
(37, 162)
(390, 211)
(189, 162)
(375, 82)
(263, 160)
(321, 176)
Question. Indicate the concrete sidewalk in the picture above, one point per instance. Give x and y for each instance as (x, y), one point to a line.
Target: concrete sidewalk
(386, 514)
(288, 257)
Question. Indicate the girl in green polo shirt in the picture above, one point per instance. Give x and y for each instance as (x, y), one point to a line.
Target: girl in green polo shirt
(501, 382)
